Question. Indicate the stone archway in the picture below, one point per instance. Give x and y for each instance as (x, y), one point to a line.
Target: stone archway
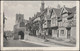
(21, 33)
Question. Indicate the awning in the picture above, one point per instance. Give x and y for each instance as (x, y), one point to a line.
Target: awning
(59, 20)
(55, 27)
(68, 28)
(47, 28)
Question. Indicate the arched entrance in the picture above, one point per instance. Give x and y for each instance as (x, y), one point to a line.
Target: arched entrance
(21, 33)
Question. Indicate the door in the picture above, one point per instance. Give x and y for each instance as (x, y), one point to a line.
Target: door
(50, 32)
(21, 35)
(57, 33)
(68, 33)
(34, 32)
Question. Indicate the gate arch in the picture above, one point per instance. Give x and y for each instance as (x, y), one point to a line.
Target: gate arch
(21, 33)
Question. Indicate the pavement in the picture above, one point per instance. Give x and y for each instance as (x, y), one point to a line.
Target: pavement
(19, 43)
(32, 41)
(46, 44)
(29, 43)
(63, 43)
(50, 42)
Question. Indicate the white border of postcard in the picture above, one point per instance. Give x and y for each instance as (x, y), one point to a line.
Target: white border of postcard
(42, 48)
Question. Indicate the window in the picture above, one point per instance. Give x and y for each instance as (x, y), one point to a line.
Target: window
(55, 31)
(74, 16)
(19, 18)
(26, 28)
(22, 24)
(53, 20)
(60, 23)
(58, 17)
(62, 31)
(49, 23)
(69, 13)
(44, 23)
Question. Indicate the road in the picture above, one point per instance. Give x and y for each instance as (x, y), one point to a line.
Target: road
(17, 43)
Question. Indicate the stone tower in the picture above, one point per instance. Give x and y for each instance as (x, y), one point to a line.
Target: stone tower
(42, 6)
(58, 6)
(19, 18)
(19, 27)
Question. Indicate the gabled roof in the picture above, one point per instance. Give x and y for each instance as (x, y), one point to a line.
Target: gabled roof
(73, 9)
(45, 11)
(50, 13)
(38, 13)
(57, 11)
(68, 9)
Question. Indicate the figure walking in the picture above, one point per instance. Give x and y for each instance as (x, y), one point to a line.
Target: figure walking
(5, 36)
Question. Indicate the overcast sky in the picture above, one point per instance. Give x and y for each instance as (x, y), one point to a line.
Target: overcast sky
(28, 8)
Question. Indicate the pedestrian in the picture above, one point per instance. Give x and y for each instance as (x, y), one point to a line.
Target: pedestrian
(5, 36)
(40, 35)
(45, 38)
(44, 34)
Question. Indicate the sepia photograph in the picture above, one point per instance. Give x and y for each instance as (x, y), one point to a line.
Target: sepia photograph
(39, 24)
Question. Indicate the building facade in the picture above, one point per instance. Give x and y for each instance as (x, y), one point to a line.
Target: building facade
(61, 23)
(67, 25)
(56, 22)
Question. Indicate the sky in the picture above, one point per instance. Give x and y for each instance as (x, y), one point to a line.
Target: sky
(28, 8)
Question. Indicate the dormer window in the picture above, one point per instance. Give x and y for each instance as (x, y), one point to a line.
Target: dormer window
(64, 13)
(70, 16)
(69, 13)
(58, 17)
(45, 24)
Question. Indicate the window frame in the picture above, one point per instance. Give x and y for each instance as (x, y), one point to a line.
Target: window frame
(62, 32)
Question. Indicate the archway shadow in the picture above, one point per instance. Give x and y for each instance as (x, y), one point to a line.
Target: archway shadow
(21, 33)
